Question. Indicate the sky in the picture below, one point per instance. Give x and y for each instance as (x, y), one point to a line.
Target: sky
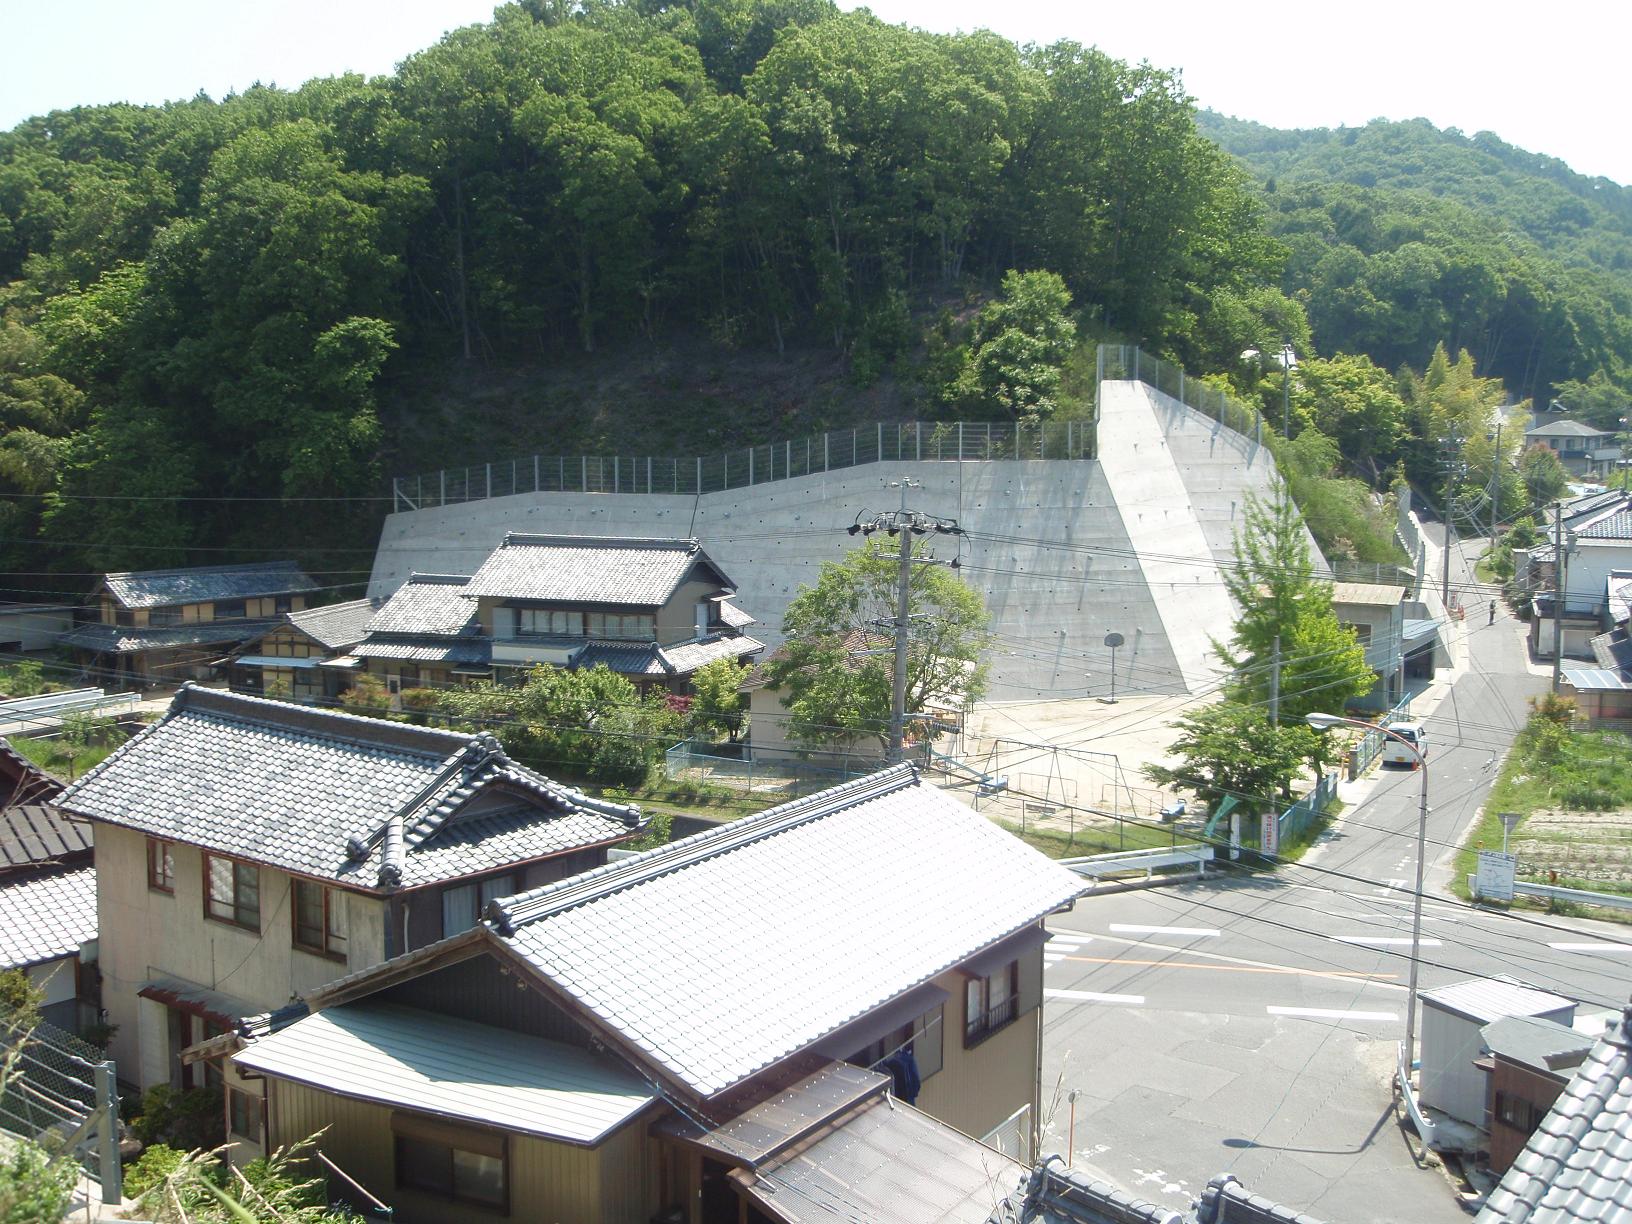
(1550, 78)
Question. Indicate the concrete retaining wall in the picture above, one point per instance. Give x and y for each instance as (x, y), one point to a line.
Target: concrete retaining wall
(1063, 551)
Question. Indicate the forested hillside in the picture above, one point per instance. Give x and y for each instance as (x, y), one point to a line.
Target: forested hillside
(207, 300)
(1401, 236)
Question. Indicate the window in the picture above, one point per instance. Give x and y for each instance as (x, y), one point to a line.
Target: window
(161, 865)
(467, 1166)
(229, 609)
(1518, 1113)
(320, 920)
(990, 1003)
(283, 603)
(615, 625)
(232, 892)
(243, 1115)
(464, 904)
(164, 616)
(543, 622)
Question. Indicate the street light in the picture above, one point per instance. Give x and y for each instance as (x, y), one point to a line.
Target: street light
(1325, 722)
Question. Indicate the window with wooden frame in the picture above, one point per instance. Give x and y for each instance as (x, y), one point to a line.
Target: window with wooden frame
(548, 622)
(319, 916)
(232, 892)
(990, 1003)
(244, 1115)
(452, 1162)
(161, 865)
(464, 904)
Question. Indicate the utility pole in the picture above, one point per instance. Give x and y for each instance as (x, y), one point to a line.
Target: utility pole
(1496, 488)
(1559, 578)
(906, 524)
(1286, 388)
(1275, 684)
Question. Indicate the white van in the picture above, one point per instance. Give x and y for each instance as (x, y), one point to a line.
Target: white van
(1396, 753)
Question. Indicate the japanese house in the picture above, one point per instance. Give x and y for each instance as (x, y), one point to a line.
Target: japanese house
(304, 656)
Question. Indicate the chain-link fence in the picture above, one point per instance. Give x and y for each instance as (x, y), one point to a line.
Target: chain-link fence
(835, 450)
(1127, 361)
(59, 1092)
(718, 765)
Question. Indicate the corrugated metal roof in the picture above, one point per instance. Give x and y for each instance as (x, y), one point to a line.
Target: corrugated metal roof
(46, 917)
(1595, 680)
(205, 584)
(435, 1064)
(888, 1161)
(607, 570)
(1577, 1166)
(292, 786)
(1487, 999)
(714, 955)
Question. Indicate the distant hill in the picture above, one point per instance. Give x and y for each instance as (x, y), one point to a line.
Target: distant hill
(1403, 234)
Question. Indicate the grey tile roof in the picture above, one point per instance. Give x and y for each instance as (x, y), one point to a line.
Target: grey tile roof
(454, 1068)
(1535, 1042)
(37, 835)
(428, 605)
(408, 649)
(45, 917)
(689, 656)
(203, 584)
(359, 800)
(733, 616)
(625, 658)
(1227, 1201)
(886, 1161)
(127, 639)
(607, 570)
(1613, 650)
(713, 956)
(336, 626)
(1577, 1167)
(1567, 429)
(1617, 526)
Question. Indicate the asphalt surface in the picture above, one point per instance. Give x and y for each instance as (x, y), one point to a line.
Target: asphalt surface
(1250, 1025)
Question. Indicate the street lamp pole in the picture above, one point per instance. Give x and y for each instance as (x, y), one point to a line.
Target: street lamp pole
(1325, 722)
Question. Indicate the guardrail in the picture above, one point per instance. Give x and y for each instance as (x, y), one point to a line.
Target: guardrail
(47, 708)
(1099, 866)
(1580, 896)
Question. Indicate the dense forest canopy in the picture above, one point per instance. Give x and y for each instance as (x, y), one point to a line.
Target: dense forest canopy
(1402, 236)
(204, 306)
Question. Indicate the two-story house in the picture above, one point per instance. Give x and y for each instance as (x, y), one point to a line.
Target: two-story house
(248, 851)
(428, 634)
(674, 1036)
(654, 610)
(304, 656)
(1597, 537)
(47, 892)
(1376, 613)
(1580, 447)
(165, 627)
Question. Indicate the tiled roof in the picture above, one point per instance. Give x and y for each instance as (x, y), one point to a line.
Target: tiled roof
(713, 956)
(360, 800)
(609, 570)
(1567, 429)
(429, 605)
(203, 584)
(336, 626)
(1618, 596)
(473, 653)
(1227, 1201)
(1535, 1042)
(24, 781)
(1617, 526)
(128, 639)
(687, 657)
(1613, 650)
(36, 834)
(1577, 1167)
(46, 916)
(625, 658)
(733, 616)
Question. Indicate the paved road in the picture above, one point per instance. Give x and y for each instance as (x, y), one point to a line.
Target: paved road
(1250, 1025)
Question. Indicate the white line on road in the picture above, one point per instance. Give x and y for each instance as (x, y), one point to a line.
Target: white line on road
(1090, 996)
(1382, 941)
(1139, 928)
(1328, 1013)
(1591, 947)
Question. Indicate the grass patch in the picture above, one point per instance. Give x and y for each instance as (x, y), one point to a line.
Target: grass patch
(1096, 838)
(64, 760)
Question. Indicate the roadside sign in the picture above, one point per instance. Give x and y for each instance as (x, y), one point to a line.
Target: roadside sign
(1494, 880)
(1269, 833)
(1510, 821)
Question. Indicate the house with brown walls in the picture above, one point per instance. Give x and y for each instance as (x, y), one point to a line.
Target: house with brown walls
(304, 656)
(1529, 1061)
(675, 1036)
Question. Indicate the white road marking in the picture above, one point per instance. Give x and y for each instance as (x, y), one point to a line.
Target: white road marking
(1068, 945)
(1591, 947)
(1138, 928)
(1091, 996)
(1382, 941)
(1328, 1013)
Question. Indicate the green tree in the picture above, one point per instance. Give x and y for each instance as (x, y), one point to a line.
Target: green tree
(1021, 341)
(717, 703)
(1357, 406)
(1322, 663)
(1543, 474)
(1231, 749)
(835, 669)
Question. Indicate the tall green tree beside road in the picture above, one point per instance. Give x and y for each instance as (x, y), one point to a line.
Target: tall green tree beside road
(1230, 749)
(834, 670)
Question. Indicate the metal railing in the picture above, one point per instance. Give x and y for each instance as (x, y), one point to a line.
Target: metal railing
(1577, 896)
(1101, 866)
(48, 709)
(60, 1092)
(690, 759)
(1127, 361)
(835, 450)
(1371, 743)
(1296, 820)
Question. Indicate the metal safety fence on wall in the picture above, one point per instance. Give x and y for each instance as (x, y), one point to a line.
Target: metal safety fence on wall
(715, 763)
(1127, 361)
(60, 1092)
(835, 450)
